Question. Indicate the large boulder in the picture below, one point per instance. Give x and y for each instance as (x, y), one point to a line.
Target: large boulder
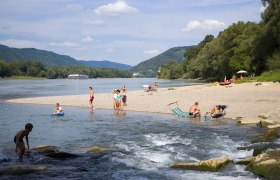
(209, 165)
(22, 169)
(266, 165)
(269, 136)
(61, 155)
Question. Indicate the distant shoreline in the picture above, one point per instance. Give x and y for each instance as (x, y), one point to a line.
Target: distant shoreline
(244, 100)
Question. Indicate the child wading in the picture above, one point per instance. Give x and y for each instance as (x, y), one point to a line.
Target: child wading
(18, 139)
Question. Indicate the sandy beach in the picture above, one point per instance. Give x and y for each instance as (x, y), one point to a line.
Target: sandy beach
(244, 100)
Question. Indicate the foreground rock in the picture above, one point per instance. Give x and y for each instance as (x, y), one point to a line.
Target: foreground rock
(246, 160)
(247, 122)
(266, 165)
(45, 149)
(261, 145)
(95, 149)
(22, 169)
(266, 123)
(61, 155)
(269, 136)
(208, 165)
(274, 126)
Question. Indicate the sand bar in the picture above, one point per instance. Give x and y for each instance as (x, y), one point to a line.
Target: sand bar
(244, 100)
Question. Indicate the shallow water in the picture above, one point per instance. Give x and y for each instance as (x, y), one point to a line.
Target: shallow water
(50, 87)
(138, 145)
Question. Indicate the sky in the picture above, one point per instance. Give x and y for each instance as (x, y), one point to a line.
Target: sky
(123, 31)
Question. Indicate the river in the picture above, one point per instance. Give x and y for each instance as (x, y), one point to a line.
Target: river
(136, 145)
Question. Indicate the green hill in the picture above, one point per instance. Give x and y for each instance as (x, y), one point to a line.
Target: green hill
(150, 67)
(31, 54)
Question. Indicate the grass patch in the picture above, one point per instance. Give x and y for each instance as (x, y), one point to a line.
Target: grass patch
(264, 77)
(269, 76)
(21, 77)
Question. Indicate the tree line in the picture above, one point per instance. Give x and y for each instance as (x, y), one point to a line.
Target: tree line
(37, 69)
(254, 47)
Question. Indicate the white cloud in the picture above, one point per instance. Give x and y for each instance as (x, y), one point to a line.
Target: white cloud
(263, 8)
(87, 39)
(115, 9)
(93, 22)
(208, 24)
(109, 50)
(153, 52)
(20, 43)
(65, 44)
(74, 7)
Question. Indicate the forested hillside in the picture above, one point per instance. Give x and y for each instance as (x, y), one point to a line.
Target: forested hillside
(105, 64)
(38, 69)
(150, 67)
(48, 58)
(254, 47)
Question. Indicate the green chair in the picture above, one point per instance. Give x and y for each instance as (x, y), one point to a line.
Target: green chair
(177, 111)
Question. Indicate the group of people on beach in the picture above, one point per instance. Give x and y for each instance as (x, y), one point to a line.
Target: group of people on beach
(120, 98)
(194, 110)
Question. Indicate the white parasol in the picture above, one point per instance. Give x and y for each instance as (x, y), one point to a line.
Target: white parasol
(241, 72)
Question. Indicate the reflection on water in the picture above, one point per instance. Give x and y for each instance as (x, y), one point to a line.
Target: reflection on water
(136, 145)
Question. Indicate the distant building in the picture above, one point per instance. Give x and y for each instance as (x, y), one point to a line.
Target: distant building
(77, 76)
(137, 74)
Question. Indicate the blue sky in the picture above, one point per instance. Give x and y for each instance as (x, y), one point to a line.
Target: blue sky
(124, 31)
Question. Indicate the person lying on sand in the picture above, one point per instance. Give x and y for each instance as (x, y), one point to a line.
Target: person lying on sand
(18, 139)
(194, 110)
(57, 109)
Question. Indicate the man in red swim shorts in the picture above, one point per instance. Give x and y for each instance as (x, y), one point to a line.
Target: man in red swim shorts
(91, 97)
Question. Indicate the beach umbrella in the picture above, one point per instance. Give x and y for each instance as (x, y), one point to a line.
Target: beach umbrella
(241, 72)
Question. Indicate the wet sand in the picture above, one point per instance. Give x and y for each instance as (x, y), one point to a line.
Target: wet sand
(244, 100)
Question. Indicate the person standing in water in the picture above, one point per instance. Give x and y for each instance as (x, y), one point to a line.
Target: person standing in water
(123, 98)
(18, 139)
(91, 97)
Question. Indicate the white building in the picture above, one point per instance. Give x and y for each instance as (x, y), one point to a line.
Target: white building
(77, 76)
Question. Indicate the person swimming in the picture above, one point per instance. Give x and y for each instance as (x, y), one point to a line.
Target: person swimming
(58, 109)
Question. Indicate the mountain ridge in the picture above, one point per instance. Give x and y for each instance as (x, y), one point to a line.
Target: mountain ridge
(149, 68)
(50, 58)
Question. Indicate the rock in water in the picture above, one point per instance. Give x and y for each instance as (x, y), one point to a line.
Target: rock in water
(208, 165)
(269, 136)
(44, 149)
(61, 155)
(266, 164)
(246, 160)
(22, 169)
(266, 123)
(94, 149)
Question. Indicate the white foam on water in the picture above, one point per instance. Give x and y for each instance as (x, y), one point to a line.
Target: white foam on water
(164, 139)
(160, 158)
(132, 161)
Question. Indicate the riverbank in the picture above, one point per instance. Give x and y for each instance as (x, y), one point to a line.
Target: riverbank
(244, 100)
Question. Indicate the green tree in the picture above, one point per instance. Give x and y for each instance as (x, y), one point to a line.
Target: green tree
(268, 42)
(5, 70)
